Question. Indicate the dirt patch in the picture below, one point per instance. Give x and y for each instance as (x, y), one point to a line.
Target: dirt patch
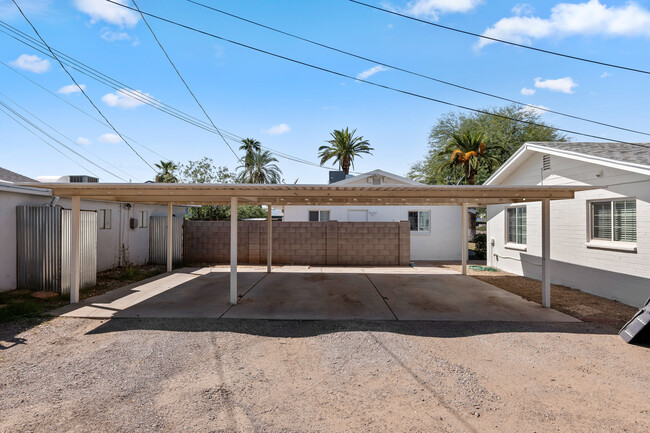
(76, 375)
(581, 305)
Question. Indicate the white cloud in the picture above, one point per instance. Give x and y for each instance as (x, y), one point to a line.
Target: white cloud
(528, 92)
(537, 110)
(522, 9)
(568, 19)
(282, 128)
(123, 99)
(84, 141)
(433, 8)
(370, 72)
(111, 36)
(71, 88)
(101, 10)
(109, 138)
(32, 63)
(564, 85)
(605, 75)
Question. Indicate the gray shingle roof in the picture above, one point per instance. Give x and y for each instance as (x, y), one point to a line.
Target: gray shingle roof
(12, 177)
(637, 153)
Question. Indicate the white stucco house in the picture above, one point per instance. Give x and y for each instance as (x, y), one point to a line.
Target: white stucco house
(600, 240)
(120, 242)
(435, 230)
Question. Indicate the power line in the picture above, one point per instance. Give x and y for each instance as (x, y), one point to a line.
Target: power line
(75, 107)
(80, 88)
(120, 86)
(39, 129)
(417, 74)
(185, 82)
(372, 83)
(46, 142)
(68, 138)
(453, 29)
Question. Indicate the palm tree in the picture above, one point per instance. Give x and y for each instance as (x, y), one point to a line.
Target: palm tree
(343, 148)
(166, 173)
(250, 146)
(467, 151)
(259, 167)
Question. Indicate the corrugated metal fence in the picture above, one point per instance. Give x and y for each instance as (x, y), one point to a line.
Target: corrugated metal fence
(158, 239)
(43, 248)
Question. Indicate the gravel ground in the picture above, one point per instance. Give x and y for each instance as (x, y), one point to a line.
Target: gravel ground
(122, 375)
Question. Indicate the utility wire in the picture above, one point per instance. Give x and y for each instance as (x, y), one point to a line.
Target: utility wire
(80, 88)
(185, 82)
(372, 83)
(76, 108)
(124, 88)
(417, 74)
(39, 129)
(453, 29)
(46, 142)
(68, 138)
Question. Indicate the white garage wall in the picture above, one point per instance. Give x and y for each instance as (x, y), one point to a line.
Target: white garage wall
(442, 243)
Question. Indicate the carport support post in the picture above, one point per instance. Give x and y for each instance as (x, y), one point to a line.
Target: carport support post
(546, 253)
(170, 236)
(463, 250)
(269, 239)
(233, 250)
(75, 249)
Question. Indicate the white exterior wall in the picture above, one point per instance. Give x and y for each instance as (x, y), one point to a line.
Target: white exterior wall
(618, 275)
(109, 241)
(442, 243)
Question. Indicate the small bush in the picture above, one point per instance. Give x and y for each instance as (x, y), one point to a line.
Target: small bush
(480, 249)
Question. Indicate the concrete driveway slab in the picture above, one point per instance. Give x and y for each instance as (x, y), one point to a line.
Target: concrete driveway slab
(312, 296)
(451, 296)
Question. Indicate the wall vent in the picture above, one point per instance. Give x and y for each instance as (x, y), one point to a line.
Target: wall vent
(546, 162)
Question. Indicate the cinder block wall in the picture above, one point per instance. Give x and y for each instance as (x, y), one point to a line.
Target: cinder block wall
(300, 243)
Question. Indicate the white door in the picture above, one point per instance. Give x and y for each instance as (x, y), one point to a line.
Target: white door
(357, 216)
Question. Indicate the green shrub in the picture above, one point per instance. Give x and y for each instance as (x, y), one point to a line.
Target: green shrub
(480, 249)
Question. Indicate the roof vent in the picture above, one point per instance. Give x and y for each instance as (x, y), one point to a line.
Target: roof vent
(546, 162)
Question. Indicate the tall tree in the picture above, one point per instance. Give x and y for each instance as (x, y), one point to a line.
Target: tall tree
(166, 172)
(468, 152)
(260, 167)
(343, 148)
(502, 136)
(250, 146)
(204, 171)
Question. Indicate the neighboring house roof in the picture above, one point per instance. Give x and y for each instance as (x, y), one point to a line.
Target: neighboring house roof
(9, 176)
(634, 157)
(377, 172)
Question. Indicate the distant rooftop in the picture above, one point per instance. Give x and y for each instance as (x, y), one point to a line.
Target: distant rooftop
(9, 176)
(633, 153)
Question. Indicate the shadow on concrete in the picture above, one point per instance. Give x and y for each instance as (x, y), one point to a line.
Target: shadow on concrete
(311, 328)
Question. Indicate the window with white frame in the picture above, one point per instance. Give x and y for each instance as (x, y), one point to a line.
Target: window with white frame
(613, 220)
(319, 215)
(104, 218)
(516, 225)
(420, 220)
(144, 219)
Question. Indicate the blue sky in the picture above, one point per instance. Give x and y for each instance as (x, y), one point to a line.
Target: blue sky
(293, 109)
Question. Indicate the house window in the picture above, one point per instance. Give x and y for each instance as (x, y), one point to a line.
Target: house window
(144, 219)
(319, 215)
(420, 221)
(516, 225)
(613, 220)
(104, 218)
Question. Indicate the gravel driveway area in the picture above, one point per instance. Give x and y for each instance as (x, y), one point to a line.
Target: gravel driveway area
(203, 375)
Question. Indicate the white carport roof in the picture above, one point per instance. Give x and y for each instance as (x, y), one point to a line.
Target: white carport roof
(280, 195)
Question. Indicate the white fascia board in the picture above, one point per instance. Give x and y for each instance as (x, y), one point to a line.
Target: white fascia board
(16, 189)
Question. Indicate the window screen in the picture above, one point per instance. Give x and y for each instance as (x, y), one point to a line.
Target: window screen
(420, 221)
(614, 220)
(516, 225)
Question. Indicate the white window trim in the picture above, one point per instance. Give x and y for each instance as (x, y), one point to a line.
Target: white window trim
(144, 221)
(604, 244)
(420, 232)
(514, 245)
(319, 211)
